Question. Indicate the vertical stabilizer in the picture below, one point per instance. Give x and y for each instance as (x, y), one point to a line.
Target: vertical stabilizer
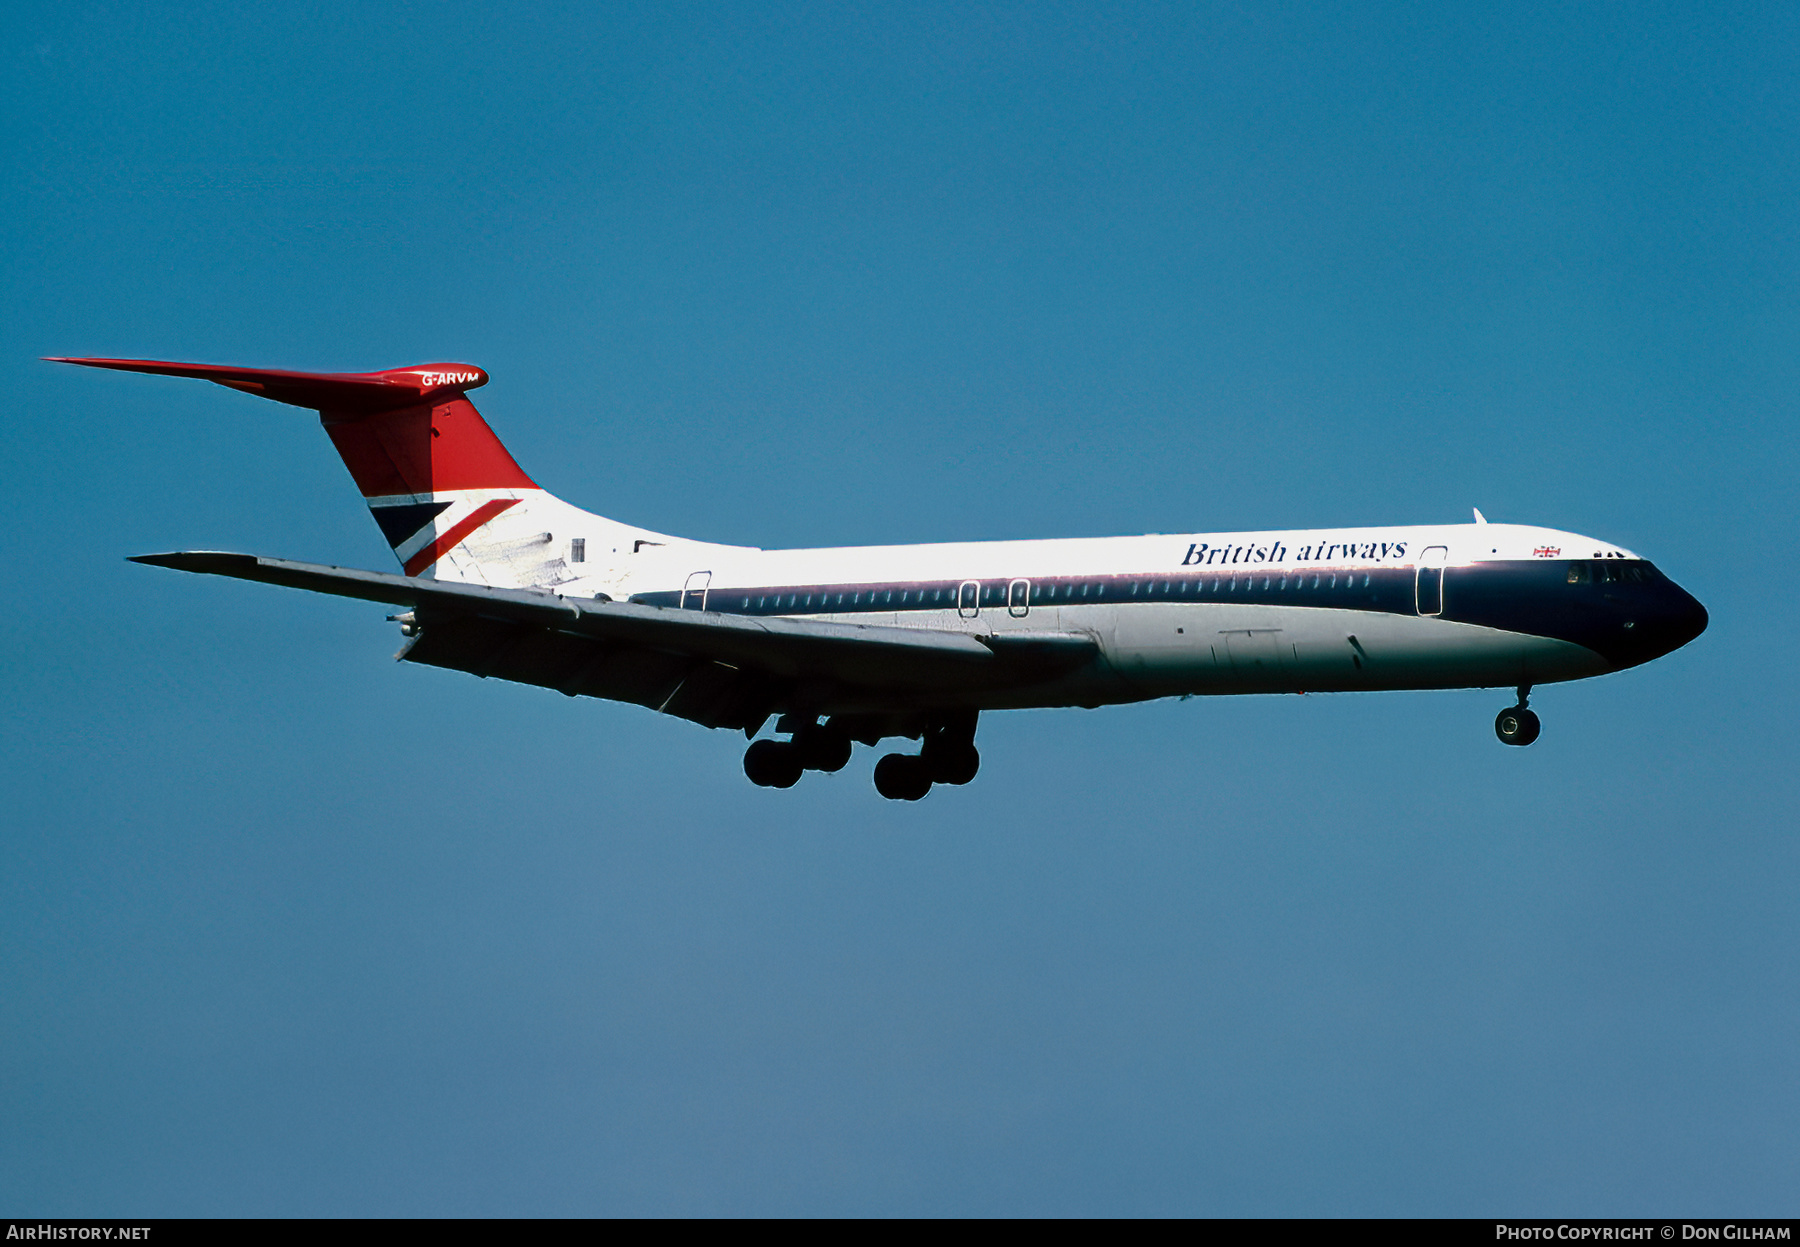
(449, 499)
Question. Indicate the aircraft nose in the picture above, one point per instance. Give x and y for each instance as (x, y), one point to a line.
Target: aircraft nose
(1676, 618)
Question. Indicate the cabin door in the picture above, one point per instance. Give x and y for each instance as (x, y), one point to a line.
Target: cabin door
(1430, 584)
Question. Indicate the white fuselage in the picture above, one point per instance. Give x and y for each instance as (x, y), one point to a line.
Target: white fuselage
(1207, 613)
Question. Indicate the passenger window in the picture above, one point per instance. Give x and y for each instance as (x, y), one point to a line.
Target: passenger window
(578, 550)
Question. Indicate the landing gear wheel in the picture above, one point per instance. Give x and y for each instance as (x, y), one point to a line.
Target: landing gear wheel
(902, 777)
(773, 764)
(1516, 726)
(824, 748)
(953, 764)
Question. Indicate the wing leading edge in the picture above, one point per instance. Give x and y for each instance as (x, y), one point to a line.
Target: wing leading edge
(716, 669)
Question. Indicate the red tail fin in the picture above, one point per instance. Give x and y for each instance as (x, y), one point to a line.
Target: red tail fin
(428, 449)
(403, 431)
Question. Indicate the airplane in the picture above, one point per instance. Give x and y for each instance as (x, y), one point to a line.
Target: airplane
(912, 642)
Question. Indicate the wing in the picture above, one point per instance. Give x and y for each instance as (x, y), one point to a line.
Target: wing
(716, 669)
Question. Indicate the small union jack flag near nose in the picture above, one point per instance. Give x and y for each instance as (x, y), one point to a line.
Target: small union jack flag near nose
(1547, 552)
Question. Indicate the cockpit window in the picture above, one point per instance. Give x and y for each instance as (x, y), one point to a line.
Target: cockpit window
(1611, 572)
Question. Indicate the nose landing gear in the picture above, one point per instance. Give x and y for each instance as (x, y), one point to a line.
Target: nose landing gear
(1516, 725)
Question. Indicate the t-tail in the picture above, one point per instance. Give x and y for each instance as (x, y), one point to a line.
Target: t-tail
(450, 500)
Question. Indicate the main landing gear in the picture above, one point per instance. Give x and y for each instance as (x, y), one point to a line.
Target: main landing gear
(947, 755)
(780, 763)
(1516, 725)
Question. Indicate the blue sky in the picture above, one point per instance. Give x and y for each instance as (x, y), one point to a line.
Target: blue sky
(288, 928)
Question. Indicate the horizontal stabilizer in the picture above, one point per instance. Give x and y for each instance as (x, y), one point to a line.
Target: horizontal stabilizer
(369, 586)
(361, 392)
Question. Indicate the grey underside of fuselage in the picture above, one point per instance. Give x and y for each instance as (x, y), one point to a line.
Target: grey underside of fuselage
(1152, 650)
